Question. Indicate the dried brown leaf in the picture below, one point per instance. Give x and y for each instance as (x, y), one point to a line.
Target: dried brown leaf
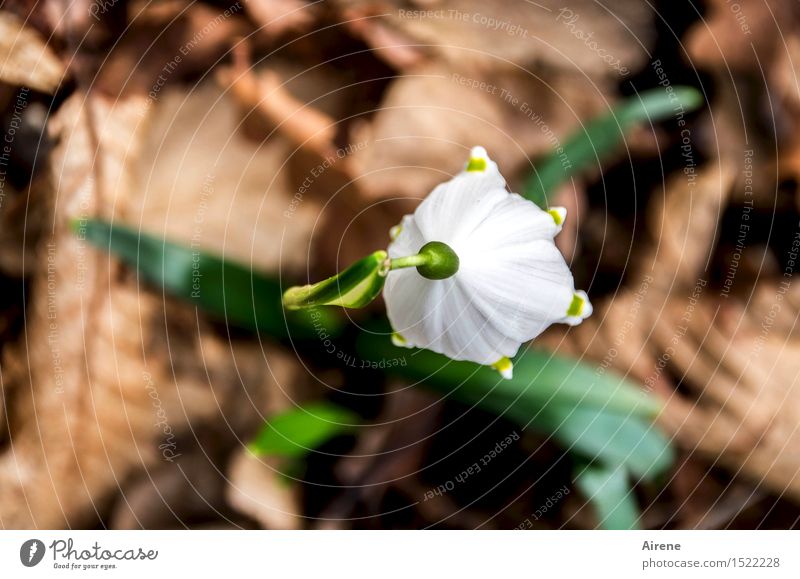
(586, 37)
(25, 58)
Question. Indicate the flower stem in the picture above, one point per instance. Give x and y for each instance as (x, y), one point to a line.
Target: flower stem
(409, 261)
(435, 260)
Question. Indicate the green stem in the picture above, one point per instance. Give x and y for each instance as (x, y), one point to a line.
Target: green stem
(409, 261)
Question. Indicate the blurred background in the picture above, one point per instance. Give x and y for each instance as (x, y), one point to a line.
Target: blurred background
(167, 168)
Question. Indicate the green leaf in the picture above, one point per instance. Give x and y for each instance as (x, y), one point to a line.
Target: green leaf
(590, 432)
(354, 287)
(614, 438)
(595, 415)
(608, 490)
(295, 433)
(602, 137)
(223, 288)
(538, 376)
(593, 433)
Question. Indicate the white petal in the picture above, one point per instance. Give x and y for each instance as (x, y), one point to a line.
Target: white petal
(454, 208)
(409, 239)
(405, 294)
(464, 332)
(438, 315)
(523, 288)
(513, 220)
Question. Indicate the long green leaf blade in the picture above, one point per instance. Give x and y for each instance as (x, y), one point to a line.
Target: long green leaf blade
(223, 288)
(608, 490)
(295, 433)
(601, 417)
(614, 438)
(602, 137)
(538, 376)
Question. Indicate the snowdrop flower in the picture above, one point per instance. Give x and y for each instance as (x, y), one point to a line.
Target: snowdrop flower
(475, 272)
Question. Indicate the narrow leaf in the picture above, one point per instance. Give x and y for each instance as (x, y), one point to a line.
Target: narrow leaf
(295, 433)
(589, 432)
(608, 490)
(538, 376)
(614, 438)
(223, 288)
(601, 417)
(603, 136)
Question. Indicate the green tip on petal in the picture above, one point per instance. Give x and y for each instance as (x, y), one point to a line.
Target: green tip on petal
(576, 307)
(478, 160)
(476, 165)
(400, 341)
(505, 367)
(559, 214)
(395, 231)
(579, 308)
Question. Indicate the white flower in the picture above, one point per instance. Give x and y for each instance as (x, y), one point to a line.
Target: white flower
(511, 282)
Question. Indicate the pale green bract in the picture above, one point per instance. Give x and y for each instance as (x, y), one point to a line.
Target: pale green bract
(355, 287)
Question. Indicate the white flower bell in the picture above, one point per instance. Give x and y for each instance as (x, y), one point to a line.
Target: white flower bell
(510, 281)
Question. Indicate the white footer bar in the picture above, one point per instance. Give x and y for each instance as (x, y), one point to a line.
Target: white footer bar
(401, 554)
